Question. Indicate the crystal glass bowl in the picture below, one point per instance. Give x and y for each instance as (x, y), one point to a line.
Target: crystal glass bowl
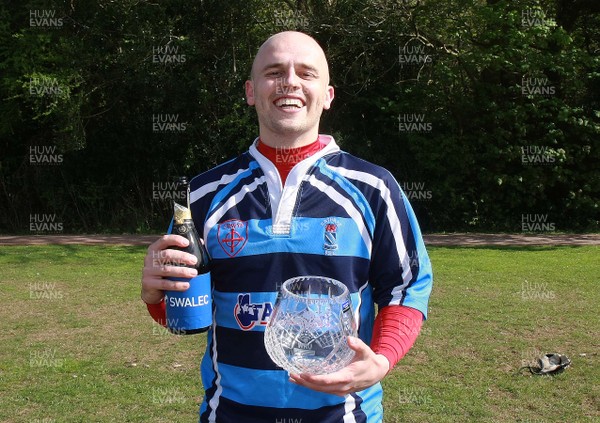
(308, 330)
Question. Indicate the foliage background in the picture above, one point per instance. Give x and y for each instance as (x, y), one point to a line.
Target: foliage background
(470, 168)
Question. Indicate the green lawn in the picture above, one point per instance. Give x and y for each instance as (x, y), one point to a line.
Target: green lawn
(78, 345)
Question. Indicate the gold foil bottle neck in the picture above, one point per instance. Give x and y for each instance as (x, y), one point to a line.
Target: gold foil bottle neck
(181, 213)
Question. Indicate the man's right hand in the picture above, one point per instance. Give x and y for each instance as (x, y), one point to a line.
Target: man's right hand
(159, 265)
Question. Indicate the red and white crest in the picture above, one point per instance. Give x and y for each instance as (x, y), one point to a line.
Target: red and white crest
(232, 236)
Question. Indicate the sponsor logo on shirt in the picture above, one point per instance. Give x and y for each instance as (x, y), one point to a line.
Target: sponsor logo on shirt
(232, 236)
(250, 314)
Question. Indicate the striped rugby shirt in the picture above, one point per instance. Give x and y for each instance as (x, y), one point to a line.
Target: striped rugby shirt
(337, 216)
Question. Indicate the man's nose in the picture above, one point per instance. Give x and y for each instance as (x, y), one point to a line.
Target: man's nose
(290, 78)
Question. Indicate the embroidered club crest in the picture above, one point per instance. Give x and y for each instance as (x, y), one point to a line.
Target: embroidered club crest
(232, 236)
(330, 237)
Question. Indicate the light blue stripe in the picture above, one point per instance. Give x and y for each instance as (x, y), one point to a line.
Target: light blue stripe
(171, 226)
(227, 301)
(307, 237)
(367, 313)
(270, 388)
(353, 192)
(371, 404)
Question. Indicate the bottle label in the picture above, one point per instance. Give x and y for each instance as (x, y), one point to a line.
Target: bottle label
(190, 310)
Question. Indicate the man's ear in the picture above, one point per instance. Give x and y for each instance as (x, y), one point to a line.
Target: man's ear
(329, 95)
(250, 93)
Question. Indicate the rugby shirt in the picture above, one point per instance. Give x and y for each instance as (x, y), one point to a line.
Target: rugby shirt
(336, 216)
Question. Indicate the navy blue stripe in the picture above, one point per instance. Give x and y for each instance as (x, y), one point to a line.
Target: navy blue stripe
(317, 204)
(243, 349)
(251, 205)
(201, 207)
(386, 268)
(214, 174)
(401, 203)
(352, 192)
(240, 273)
(359, 414)
(233, 412)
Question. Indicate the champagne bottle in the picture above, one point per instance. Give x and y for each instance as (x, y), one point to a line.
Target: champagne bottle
(190, 311)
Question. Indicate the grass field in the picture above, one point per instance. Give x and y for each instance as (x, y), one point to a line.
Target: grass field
(77, 344)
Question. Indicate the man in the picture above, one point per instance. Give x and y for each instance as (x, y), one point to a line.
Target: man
(297, 205)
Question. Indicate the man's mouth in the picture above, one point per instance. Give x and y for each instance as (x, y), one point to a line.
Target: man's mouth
(289, 103)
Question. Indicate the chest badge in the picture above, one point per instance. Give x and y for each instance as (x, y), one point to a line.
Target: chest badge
(330, 235)
(232, 236)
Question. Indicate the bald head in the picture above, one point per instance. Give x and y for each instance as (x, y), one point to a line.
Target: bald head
(304, 47)
(289, 88)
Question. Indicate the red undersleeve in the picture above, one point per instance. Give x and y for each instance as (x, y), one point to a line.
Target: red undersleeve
(395, 331)
(158, 313)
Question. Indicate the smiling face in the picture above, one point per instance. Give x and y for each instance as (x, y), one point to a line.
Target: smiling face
(290, 89)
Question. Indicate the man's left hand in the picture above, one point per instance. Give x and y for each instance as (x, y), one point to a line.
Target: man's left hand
(367, 368)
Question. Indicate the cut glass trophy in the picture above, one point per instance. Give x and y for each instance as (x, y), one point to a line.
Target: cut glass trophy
(308, 330)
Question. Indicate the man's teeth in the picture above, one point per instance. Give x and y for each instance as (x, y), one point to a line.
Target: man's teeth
(282, 102)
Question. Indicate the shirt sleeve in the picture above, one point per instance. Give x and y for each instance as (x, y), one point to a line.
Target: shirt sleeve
(400, 272)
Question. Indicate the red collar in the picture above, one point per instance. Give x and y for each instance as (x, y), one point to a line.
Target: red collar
(285, 158)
